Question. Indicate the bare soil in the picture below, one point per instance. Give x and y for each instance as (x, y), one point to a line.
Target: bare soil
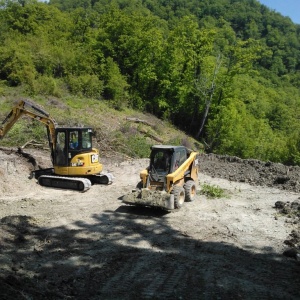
(60, 244)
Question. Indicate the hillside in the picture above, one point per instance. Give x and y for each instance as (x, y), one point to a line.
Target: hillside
(124, 132)
(226, 72)
(59, 244)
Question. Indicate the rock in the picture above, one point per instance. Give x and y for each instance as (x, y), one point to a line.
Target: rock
(279, 204)
(291, 252)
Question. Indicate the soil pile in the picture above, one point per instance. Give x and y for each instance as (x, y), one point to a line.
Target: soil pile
(251, 171)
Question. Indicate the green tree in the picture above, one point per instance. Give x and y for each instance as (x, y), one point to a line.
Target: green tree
(187, 47)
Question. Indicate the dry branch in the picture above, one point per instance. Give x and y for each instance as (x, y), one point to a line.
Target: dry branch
(137, 120)
(8, 150)
(33, 143)
(156, 138)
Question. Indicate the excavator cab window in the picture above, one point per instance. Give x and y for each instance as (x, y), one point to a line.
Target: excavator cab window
(73, 140)
(86, 139)
(60, 157)
(80, 139)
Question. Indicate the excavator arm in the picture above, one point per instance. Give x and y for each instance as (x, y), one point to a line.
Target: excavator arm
(26, 108)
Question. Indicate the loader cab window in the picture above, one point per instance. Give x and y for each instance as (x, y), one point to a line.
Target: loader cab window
(179, 158)
(161, 161)
(176, 160)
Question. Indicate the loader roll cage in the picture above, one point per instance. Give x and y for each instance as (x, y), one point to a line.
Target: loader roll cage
(167, 159)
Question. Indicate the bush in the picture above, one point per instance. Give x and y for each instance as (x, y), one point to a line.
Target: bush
(138, 146)
(212, 191)
(46, 85)
(25, 130)
(85, 85)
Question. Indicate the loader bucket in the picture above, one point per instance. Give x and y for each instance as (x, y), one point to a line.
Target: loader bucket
(146, 197)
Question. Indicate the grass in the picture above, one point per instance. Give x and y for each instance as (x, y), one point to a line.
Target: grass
(213, 191)
(112, 130)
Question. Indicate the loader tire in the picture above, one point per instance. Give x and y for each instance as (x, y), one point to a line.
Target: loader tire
(139, 186)
(179, 196)
(190, 190)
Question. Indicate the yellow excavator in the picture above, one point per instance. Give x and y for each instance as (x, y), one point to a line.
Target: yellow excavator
(170, 179)
(76, 164)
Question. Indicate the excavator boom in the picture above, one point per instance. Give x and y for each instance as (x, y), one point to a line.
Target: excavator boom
(21, 109)
(36, 113)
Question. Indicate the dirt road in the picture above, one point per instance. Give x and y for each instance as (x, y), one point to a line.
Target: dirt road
(58, 244)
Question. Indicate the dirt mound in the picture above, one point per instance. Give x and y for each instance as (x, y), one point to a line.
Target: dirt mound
(251, 171)
(14, 172)
(291, 210)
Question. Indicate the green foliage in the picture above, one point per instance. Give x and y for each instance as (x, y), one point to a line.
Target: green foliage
(115, 86)
(293, 144)
(213, 191)
(138, 147)
(225, 71)
(2, 88)
(129, 142)
(16, 65)
(24, 131)
(47, 85)
(85, 85)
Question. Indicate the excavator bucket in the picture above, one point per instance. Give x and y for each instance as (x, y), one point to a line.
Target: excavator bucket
(146, 197)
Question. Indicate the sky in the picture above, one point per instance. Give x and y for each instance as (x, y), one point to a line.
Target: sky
(288, 8)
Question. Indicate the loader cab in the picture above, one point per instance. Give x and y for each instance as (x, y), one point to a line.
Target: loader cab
(70, 142)
(166, 159)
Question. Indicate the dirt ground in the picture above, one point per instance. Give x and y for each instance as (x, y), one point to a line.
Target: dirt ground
(60, 244)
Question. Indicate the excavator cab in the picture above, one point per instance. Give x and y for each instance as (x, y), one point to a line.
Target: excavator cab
(73, 152)
(71, 142)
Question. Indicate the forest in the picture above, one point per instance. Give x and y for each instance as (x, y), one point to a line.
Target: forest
(227, 72)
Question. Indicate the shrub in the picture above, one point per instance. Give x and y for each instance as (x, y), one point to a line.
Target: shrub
(85, 85)
(129, 142)
(46, 85)
(26, 130)
(212, 191)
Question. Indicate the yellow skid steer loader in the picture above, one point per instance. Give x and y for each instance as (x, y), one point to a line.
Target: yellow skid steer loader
(169, 180)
